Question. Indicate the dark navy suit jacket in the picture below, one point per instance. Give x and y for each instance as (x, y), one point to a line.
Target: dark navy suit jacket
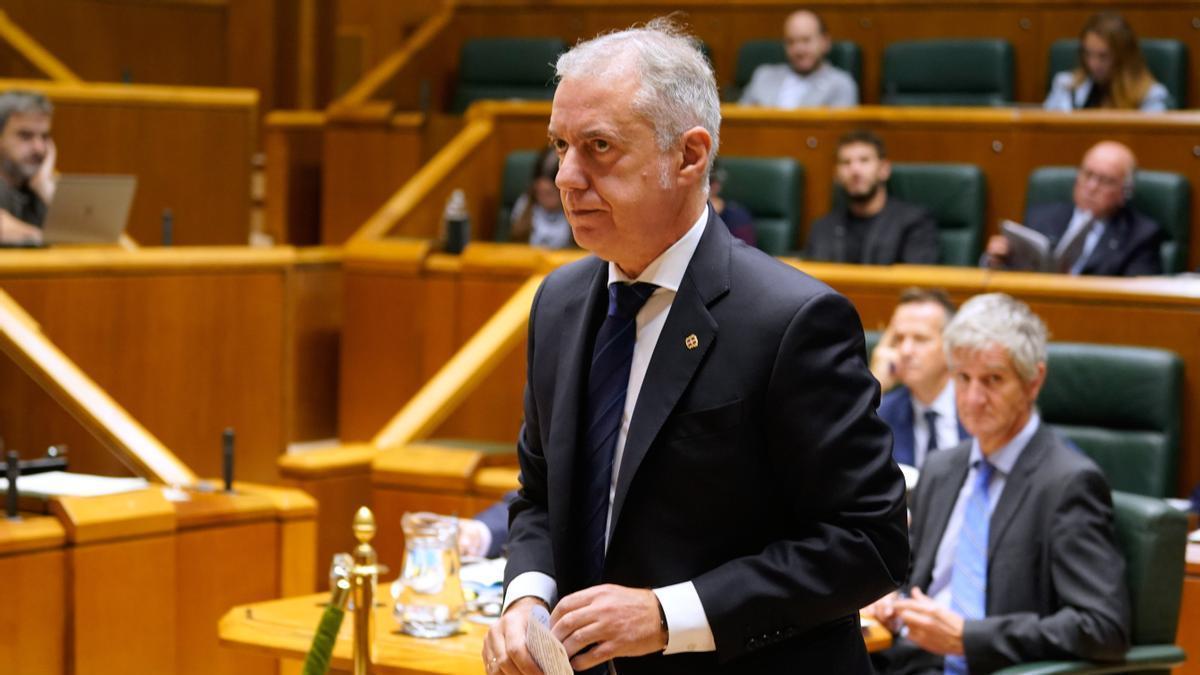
(896, 410)
(1130, 245)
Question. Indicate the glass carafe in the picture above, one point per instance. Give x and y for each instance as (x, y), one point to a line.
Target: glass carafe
(430, 600)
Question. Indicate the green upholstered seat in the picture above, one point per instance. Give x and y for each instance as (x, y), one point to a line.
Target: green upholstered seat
(1164, 196)
(772, 189)
(1166, 59)
(967, 72)
(1120, 405)
(1152, 536)
(518, 171)
(844, 54)
(506, 68)
(956, 195)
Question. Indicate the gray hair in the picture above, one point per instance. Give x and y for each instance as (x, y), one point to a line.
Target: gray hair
(678, 90)
(999, 319)
(22, 102)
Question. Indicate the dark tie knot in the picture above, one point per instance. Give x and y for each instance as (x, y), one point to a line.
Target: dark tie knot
(624, 300)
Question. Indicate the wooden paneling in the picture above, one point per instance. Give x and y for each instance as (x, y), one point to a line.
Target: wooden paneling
(189, 341)
(34, 622)
(267, 45)
(189, 148)
(293, 142)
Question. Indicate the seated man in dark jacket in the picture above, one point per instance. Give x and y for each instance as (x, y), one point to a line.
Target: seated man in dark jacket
(872, 228)
(1098, 232)
(1014, 549)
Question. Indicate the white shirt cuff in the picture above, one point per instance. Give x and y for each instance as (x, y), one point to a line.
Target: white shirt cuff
(687, 624)
(525, 584)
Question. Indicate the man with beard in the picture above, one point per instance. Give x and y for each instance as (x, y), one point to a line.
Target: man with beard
(872, 228)
(807, 79)
(27, 157)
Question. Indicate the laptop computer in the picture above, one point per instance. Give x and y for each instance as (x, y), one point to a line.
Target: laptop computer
(89, 209)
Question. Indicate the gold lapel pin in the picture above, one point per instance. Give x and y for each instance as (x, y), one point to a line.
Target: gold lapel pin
(691, 341)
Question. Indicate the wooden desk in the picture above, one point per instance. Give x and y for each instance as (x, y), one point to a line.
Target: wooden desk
(1188, 635)
(284, 628)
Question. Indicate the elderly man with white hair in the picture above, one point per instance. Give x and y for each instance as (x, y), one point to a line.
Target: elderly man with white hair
(705, 486)
(1014, 553)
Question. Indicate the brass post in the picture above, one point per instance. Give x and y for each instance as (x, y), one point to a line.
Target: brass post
(366, 570)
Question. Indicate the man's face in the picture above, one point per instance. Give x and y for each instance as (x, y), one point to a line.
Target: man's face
(805, 44)
(1100, 183)
(618, 190)
(993, 402)
(917, 339)
(860, 171)
(23, 144)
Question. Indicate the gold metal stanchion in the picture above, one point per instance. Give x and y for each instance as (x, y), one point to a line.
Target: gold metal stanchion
(366, 573)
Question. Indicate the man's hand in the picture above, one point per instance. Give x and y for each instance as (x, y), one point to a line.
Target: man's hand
(45, 181)
(884, 611)
(13, 230)
(614, 620)
(504, 649)
(931, 626)
(474, 537)
(997, 250)
(883, 361)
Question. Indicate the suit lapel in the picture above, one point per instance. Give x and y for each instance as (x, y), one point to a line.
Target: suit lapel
(941, 503)
(673, 363)
(1016, 487)
(574, 360)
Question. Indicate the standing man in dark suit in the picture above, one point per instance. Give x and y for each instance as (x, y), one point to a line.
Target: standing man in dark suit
(705, 487)
(921, 410)
(872, 228)
(1014, 551)
(1098, 232)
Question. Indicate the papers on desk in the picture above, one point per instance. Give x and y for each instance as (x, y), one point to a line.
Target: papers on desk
(65, 484)
(545, 649)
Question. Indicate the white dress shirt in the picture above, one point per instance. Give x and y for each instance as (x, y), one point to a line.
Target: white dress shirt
(946, 426)
(1080, 220)
(688, 629)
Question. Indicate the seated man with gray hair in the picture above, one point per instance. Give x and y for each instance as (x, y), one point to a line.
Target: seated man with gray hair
(1014, 550)
(27, 157)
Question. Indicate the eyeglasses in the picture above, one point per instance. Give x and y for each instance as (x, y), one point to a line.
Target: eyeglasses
(1086, 175)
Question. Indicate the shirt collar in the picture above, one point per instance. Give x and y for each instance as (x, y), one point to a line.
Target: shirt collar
(1006, 457)
(943, 404)
(666, 271)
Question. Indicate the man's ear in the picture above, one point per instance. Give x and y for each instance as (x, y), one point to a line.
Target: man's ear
(697, 146)
(885, 170)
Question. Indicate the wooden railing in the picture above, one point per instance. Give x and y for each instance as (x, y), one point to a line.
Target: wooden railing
(32, 51)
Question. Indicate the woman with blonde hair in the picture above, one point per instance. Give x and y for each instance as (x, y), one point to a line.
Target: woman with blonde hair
(1112, 72)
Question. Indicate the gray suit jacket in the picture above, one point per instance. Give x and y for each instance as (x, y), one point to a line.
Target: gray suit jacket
(1056, 581)
(830, 86)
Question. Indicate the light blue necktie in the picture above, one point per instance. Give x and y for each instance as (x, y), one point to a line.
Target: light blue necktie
(968, 576)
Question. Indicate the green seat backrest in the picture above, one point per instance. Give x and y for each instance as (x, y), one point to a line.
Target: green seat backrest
(1153, 536)
(956, 195)
(969, 72)
(844, 54)
(1121, 405)
(1162, 195)
(772, 189)
(1166, 59)
(506, 68)
(518, 171)
(872, 339)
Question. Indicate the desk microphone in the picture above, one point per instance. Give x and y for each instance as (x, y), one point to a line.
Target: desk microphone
(168, 227)
(12, 469)
(227, 458)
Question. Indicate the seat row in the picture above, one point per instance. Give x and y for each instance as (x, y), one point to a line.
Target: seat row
(772, 189)
(968, 72)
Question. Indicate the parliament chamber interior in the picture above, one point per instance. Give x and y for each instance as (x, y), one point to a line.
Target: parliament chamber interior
(319, 300)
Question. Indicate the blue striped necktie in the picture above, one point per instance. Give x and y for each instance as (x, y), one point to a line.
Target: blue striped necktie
(608, 381)
(968, 576)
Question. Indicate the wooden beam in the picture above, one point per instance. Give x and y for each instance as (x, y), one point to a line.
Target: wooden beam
(33, 52)
(22, 340)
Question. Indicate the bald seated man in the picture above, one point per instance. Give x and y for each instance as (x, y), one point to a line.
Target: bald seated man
(807, 79)
(1116, 239)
